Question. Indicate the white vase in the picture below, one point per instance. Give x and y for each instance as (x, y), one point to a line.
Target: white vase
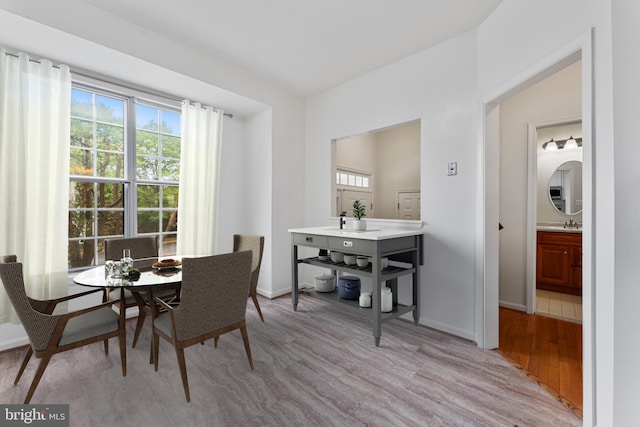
(359, 225)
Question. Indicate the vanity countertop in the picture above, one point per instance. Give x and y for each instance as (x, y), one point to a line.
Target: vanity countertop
(369, 234)
(558, 229)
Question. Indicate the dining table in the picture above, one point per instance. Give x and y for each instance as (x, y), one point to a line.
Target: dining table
(150, 280)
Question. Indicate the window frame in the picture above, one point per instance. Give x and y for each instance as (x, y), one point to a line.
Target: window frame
(130, 181)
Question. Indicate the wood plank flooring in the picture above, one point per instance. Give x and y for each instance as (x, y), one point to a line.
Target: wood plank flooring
(548, 349)
(314, 367)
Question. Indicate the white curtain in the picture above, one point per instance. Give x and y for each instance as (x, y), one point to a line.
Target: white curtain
(35, 102)
(199, 176)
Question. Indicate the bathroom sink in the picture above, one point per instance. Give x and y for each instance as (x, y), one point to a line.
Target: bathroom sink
(559, 228)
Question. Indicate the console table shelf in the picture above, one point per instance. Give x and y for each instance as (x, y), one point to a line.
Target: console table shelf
(402, 247)
(354, 307)
(391, 272)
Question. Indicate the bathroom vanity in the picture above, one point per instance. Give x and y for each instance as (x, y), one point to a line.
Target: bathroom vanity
(403, 248)
(559, 260)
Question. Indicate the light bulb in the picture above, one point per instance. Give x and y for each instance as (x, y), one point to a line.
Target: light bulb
(571, 143)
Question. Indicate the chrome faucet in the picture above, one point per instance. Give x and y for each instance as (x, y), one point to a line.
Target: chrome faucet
(571, 224)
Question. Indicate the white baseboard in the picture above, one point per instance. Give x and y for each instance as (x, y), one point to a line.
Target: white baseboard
(506, 304)
(279, 292)
(467, 335)
(14, 343)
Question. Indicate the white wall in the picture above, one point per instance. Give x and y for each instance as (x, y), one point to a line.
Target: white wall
(626, 92)
(517, 37)
(555, 98)
(288, 189)
(438, 87)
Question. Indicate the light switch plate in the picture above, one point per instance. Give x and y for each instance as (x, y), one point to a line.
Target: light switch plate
(452, 168)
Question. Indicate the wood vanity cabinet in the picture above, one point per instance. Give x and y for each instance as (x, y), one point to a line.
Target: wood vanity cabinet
(559, 262)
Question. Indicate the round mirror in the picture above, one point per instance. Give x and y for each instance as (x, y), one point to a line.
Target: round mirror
(565, 188)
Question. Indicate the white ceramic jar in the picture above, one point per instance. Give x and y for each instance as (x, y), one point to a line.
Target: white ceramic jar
(325, 283)
(365, 299)
(386, 300)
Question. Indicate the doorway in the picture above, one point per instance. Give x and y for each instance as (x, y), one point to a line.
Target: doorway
(345, 199)
(408, 204)
(554, 205)
(488, 241)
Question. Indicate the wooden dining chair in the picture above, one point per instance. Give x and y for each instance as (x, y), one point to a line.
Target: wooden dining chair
(246, 242)
(51, 334)
(144, 251)
(213, 302)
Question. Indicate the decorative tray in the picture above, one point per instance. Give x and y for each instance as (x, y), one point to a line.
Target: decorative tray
(167, 264)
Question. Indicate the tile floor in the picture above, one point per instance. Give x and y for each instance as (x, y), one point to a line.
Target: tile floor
(560, 306)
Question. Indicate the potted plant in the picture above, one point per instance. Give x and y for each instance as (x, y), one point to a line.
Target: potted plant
(359, 211)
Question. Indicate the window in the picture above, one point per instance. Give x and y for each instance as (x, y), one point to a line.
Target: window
(124, 172)
(352, 179)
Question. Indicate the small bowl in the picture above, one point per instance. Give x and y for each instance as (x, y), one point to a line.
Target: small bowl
(337, 256)
(349, 259)
(362, 261)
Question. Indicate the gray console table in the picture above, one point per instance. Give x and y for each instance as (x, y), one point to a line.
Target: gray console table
(402, 247)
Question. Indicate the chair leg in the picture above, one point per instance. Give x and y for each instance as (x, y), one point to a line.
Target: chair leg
(36, 379)
(215, 342)
(106, 347)
(245, 339)
(254, 297)
(142, 313)
(155, 350)
(183, 372)
(123, 352)
(27, 357)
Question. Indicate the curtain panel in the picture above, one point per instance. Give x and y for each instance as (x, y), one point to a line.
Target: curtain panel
(199, 176)
(35, 99)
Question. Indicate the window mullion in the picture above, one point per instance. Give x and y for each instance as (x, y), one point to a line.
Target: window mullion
(131, 217)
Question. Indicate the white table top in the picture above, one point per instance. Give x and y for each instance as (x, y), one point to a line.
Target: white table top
(369, 234)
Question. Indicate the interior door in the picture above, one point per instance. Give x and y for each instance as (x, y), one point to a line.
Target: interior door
(408, 205)
(350, 196)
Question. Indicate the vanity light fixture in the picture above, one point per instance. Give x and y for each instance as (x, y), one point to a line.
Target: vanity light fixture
(571, 143)
(562, 144)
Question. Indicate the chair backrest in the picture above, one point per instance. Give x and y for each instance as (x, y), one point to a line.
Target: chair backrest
(39, 327)
(5, 259)
(213, 294)
(141, 247)
(255, 244)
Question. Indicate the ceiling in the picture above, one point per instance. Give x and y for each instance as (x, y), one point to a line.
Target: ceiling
(301, 46)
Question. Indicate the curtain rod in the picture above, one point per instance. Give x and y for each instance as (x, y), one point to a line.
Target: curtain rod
(104, 80)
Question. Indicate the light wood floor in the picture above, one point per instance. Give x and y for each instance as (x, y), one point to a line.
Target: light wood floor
(314, 367)
(548, 349)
